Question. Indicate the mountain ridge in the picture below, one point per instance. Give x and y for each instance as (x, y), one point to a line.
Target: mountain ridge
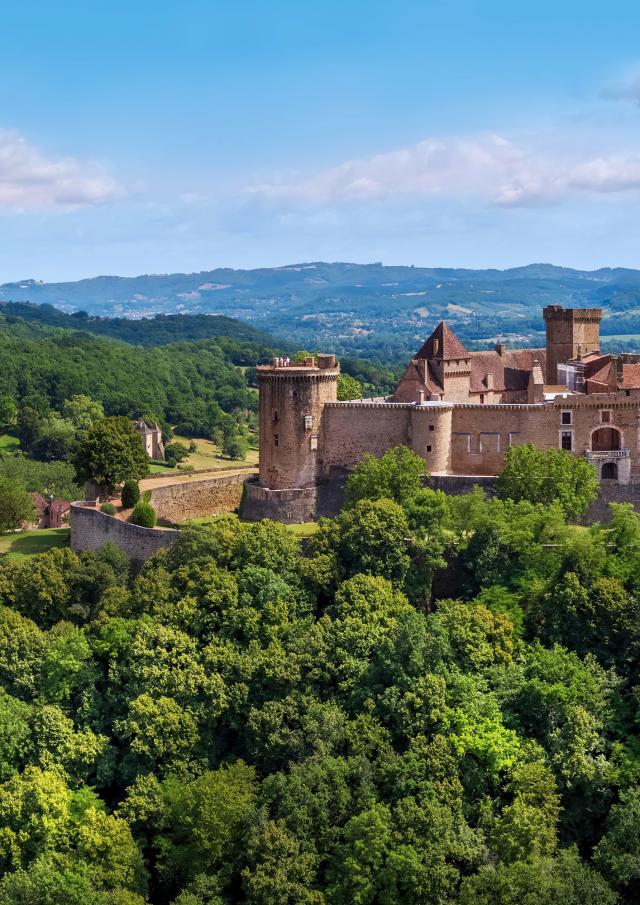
(358, 309)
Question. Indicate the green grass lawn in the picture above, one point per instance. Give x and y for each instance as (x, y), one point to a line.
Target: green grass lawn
(161, 469)
(8, 443)
(207, 455)
(305, 529)
(27, 543)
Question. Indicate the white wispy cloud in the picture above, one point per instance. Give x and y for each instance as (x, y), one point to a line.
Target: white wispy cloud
(488, 167)
(29, 178)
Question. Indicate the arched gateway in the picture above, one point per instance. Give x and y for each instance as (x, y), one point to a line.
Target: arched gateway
(605, 439)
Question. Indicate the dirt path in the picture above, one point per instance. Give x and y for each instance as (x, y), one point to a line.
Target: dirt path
(153, 482)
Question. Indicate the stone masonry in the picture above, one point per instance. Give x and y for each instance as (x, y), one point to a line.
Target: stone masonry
(459, 410)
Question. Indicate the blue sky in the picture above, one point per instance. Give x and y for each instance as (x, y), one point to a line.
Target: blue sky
(178, 136)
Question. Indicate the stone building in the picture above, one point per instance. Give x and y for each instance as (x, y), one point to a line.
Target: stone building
(457, 409)
(50, 512)
(151, 436)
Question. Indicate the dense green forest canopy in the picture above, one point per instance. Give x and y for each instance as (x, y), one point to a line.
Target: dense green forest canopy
(435, 701)
(160, 330)
(184, 384)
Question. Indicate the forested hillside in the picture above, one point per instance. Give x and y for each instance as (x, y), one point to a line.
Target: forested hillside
(361, 310)
(242, 721)
(149, 331)
(184, 384)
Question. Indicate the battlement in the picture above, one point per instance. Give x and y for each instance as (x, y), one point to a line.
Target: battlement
(557, 312)
(312, 366)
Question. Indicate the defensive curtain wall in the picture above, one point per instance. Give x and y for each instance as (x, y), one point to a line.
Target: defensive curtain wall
(92, 529)
(191, 497)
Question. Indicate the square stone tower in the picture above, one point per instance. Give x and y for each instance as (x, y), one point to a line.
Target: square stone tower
(570, 332)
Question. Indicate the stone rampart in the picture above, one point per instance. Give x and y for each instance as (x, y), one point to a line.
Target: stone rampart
(92, 529)
(293, 506)
(611, 492)
(198, 498)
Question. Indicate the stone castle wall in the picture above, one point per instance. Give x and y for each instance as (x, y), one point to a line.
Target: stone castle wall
(351, 429)
(196, 499)
(92, 529)
(293, 506)
(471, 439)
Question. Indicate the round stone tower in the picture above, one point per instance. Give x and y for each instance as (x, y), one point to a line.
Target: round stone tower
(292, 400)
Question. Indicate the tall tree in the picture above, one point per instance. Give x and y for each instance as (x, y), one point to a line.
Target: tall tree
(111, 452)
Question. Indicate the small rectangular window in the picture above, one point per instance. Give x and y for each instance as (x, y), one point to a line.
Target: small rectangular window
(276, 439)
(431, 427)
(566, 440)
(428, 449)
(605, 417)
(308, 422)
(481, 398)
(566, 418)
(275, 417)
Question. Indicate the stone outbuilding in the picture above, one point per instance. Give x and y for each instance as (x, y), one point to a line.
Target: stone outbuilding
(151, 436)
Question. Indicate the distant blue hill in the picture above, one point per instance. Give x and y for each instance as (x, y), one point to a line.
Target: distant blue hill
(358, 309)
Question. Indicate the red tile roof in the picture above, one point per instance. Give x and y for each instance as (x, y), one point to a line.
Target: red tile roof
(443, 344)
(630, 376)
(510, 370)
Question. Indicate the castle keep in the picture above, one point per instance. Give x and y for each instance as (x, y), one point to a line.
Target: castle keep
(457, 409)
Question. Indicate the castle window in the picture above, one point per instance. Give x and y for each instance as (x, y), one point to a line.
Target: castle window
(275, 417)
(481, 398)
(565, 418)
(431, 427)
(428, 449)
(308, 422)
(605, 417)
(314, 443)
(276, 439)
(566, 440)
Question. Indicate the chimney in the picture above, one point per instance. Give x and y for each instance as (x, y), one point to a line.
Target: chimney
(420, 397)
(500, 349)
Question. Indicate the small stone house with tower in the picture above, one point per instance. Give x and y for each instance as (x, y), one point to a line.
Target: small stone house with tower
(459, 410)
(151, 436)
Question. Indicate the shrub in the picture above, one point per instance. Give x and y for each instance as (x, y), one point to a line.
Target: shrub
(130, 494)
(16, 505)
(108, 509)
(143, 514)
(177, 451)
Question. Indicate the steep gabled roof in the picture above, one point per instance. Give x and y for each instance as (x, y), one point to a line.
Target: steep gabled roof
(444, 344)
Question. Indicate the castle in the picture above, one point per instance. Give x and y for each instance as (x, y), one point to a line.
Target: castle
(457, 409)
